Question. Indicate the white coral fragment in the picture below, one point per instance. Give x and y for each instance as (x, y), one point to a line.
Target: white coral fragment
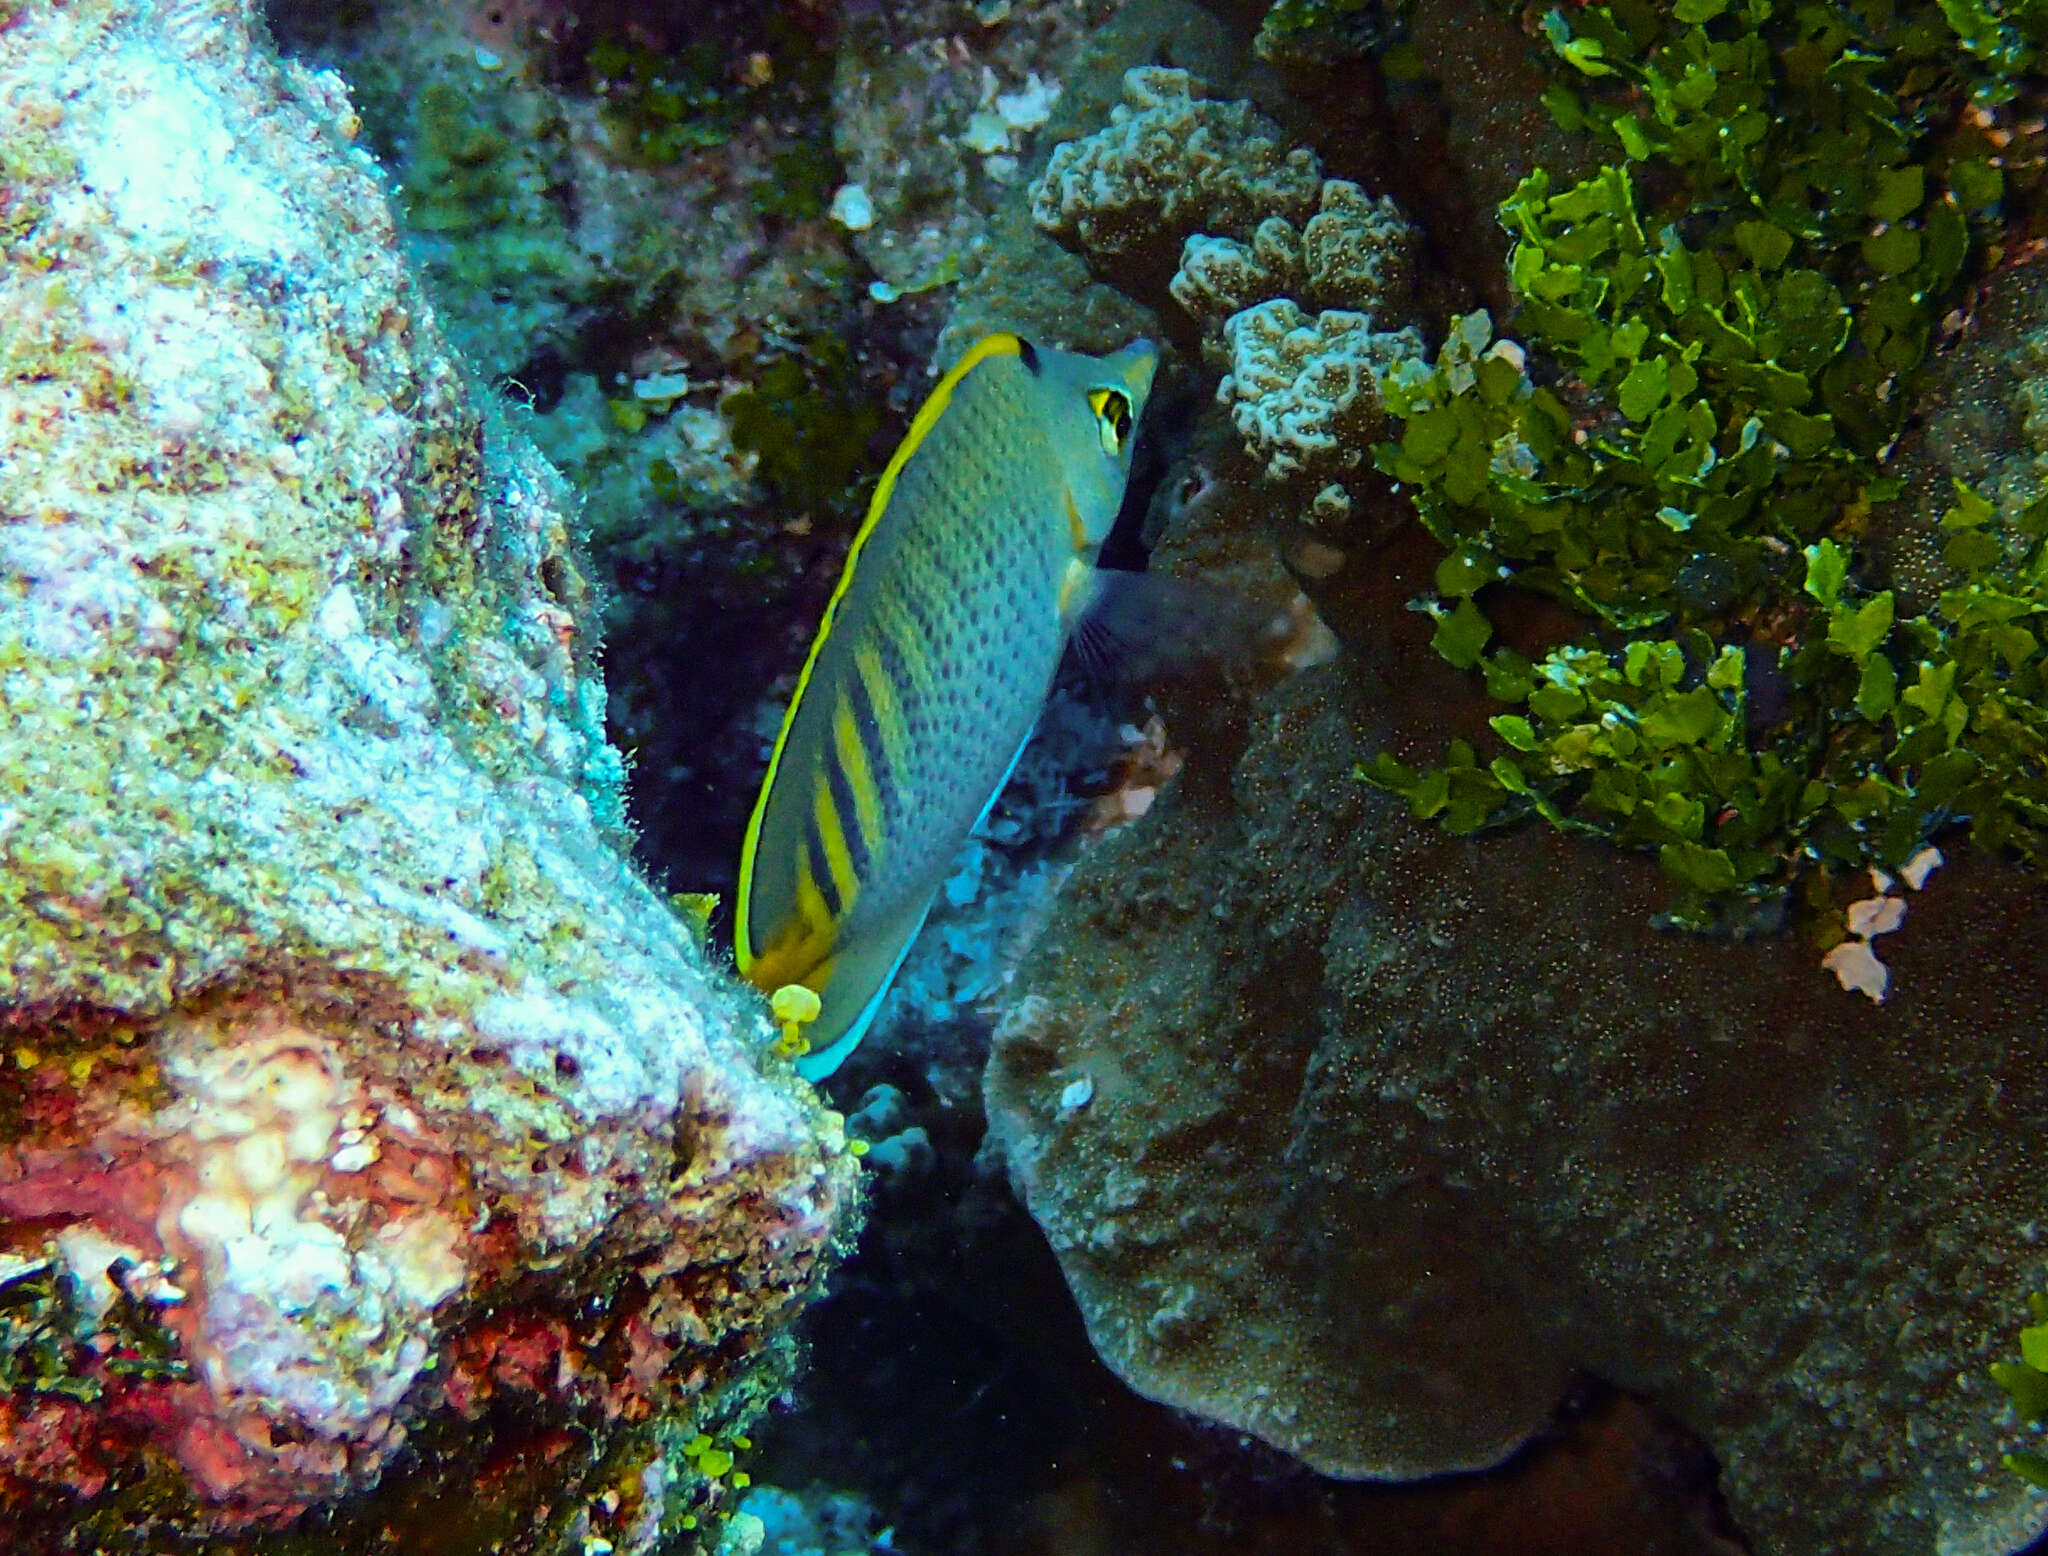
(1029, 106)
(1876, 916)
(1853, 962)
(852, 208)
(1923, 864)
(1858, 970)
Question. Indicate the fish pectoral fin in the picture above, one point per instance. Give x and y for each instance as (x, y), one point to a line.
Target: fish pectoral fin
(799, 954)
(1138, 625)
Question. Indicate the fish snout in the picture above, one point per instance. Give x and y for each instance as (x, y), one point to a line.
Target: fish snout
(1136, 364)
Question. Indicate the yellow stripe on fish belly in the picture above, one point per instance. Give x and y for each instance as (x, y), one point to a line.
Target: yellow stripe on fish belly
(833, 844)
(859, 777)
(873, 680)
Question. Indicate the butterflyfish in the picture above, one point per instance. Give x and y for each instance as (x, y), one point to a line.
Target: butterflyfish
(974, 566)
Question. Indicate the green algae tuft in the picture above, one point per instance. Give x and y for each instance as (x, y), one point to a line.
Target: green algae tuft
(1718, 338)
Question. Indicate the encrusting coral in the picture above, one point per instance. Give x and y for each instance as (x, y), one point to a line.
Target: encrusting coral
(351, 1073)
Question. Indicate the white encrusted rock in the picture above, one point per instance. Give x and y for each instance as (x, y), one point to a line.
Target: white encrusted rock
(338, 1022)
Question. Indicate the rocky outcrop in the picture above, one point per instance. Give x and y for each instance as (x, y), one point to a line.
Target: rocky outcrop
(354, 1081)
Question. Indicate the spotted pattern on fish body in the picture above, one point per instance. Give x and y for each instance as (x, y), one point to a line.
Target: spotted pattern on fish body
(973, 567)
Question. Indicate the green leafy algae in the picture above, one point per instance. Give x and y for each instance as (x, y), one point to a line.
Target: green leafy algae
(2007, 38)
(1721, 332)
(2026, 1384)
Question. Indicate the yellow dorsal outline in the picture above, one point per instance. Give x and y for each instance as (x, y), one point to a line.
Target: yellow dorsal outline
(1001, 344)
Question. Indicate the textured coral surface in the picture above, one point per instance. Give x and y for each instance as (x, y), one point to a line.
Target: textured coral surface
(1303, 390)
(1366, 1139)
(349, 1066)
(1259, 228)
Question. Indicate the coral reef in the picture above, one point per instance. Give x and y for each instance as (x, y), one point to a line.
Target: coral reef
(357, 1091)
(708, 249)
(1297, 283)
(1355, 253)
(934, 122)
(1464, 1123)
(541, 207)
(1364, 1139)
(1303, 391)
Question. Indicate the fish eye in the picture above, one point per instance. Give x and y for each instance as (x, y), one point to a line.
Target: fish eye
(1112, 417)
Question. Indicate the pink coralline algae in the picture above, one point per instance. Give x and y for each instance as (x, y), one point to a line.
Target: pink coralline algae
(350, 1079)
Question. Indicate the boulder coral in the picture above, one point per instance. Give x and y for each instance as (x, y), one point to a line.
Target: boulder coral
(356, 1089)
(1385, 1135)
